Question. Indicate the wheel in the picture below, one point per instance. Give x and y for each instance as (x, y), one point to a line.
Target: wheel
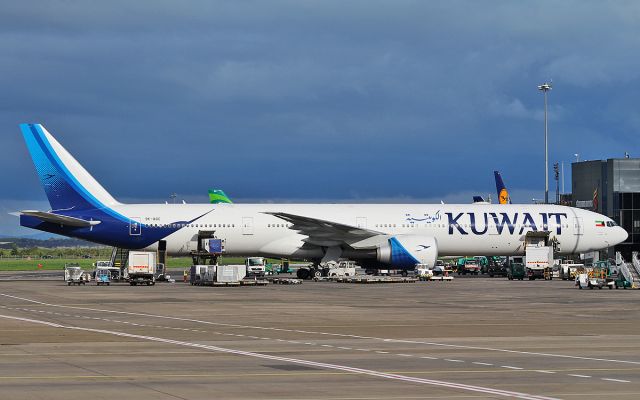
(108, 283)
(317, 273)
(404, 273)
(153, 283)
(610, 287)
(68, 283)
(490, 275)
(616, 285)
(303, 273)
(521, 279)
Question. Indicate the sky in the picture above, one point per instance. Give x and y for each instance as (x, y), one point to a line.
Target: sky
(316, 101)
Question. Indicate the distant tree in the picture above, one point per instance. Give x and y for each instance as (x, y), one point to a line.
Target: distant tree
(14, 249)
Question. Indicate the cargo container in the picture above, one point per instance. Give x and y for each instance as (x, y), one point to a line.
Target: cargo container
(230, 273)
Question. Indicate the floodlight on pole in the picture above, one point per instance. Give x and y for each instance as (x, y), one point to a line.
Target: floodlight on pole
(545, 87)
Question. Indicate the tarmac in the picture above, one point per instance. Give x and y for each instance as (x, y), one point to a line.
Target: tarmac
(470, 338)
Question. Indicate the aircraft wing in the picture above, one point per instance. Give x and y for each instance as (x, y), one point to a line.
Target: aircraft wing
(327, 233)
(59, 219)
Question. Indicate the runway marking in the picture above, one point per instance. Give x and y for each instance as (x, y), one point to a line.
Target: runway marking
(382, 352)
(544, 372)
(323, 333)
(361, 371)
(615, 380)
(290, 341)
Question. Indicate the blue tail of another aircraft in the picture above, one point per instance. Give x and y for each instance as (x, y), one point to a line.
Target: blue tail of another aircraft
(503, 193)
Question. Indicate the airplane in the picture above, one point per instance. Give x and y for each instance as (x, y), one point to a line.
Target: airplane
(376, 236)
(217, 196)
(503, 193)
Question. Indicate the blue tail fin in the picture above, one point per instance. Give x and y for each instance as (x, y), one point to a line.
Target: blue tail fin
(67, 184)
(503, 193)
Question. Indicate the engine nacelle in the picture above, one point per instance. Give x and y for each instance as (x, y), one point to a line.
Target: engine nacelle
(405, 251)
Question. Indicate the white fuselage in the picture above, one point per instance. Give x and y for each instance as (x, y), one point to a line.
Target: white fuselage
(458, 229)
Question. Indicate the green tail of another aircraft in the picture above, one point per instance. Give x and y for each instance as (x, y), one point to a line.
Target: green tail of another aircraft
(218, 196)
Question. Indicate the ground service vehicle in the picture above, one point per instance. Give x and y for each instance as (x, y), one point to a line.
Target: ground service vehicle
(103, 277)
(255, 266)
(142, 268)
(539, 260)
(568, 271)
(515, 271)
(423, 272)
(496, 268)
(74, 275)
(470, 266)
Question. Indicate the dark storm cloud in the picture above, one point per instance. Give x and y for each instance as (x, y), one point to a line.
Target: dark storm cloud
(333, 100)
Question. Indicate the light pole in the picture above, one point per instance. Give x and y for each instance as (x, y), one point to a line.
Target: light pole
(545, 87)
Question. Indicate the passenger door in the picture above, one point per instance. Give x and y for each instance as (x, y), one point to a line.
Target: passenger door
(247, 225)
(578, 227)
(361, 222)
(135, 227)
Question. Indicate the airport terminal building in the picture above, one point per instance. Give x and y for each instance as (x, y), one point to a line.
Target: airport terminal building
(611, 187)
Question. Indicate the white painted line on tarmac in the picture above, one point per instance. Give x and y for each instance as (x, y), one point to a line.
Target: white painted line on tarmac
(345, 348)
(510, 367)
(404, 355)
(452, 360)
(361, 371)
(429, 358)
(482, 363)
(615, 380)
(544, 372)
(382, 352)
(580, 376)
(323, 333)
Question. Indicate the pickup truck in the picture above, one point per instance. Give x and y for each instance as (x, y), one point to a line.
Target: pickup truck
(469, 267)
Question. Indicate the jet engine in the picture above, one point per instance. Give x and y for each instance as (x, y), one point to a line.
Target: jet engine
(405, 251)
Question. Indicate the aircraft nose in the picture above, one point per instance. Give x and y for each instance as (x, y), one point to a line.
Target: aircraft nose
(621, 235)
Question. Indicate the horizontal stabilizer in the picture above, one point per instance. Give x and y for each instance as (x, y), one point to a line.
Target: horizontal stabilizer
(59, 219)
